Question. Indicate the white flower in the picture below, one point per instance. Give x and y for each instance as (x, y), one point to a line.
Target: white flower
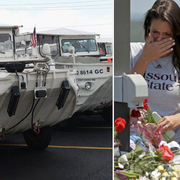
(142, 155)
(123, 159)
(147, 174)
(155, 175)
(163, 178)
(143, 178)
(151, 153)
(121, 166)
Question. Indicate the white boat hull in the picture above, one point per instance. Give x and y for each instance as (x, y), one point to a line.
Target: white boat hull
(46, 112)
(98, 74)
(100, 99)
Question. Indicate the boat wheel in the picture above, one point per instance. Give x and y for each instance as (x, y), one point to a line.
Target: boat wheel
(38, 141)
(107, 114)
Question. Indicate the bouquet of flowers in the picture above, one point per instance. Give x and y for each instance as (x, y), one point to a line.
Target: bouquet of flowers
(143, 120)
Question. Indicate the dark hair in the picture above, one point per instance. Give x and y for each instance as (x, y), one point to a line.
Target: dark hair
(166, 10)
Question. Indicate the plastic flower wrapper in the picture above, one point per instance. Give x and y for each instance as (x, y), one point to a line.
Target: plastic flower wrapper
(152, 132)
(148, 126)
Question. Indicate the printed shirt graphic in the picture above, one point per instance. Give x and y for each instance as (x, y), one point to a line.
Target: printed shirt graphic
(163, 83)
(159, 66)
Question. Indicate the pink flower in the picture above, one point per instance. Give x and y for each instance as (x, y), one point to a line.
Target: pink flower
(152, 132)
(120, 175)
(167, 154)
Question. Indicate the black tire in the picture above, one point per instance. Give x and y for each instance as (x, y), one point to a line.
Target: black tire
(107, 114)
(38, 141)
(71, 123)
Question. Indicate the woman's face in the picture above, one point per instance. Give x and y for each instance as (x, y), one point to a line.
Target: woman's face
(160, 29)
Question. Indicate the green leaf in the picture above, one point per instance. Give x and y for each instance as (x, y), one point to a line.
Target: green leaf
(138, 150)
(130, 174)
(142, 162)
(137, 160)
(132, 166)
(150, 117)
(159, 155)
(149, 167)
(129, 155)
(126, 166)
(138, 170)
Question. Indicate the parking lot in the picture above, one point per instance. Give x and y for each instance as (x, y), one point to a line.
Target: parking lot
(83, 154)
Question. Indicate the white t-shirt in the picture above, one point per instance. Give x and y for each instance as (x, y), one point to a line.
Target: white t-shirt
(163, 84)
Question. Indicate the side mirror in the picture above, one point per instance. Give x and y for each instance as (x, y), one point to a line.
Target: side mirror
(71, 49)
(46, 49)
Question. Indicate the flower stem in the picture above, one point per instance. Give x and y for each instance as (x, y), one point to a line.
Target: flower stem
(148, 157)
(164, 136)
(167, 137)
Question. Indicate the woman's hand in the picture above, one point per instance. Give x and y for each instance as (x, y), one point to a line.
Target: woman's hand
(170, 122)
(153, 50)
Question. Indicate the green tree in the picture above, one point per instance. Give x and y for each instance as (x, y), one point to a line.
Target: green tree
(137, 31)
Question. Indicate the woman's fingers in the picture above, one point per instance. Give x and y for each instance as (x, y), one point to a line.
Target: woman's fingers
(165, 41)
(166, 52)
(163, 47)
(167, 45)
(167, 122)
(149, 39)
(156, 49)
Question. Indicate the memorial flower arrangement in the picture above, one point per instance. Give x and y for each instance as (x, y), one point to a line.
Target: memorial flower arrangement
(153, 162)
(143, 165)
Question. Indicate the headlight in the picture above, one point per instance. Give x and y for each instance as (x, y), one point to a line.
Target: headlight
(87, 85)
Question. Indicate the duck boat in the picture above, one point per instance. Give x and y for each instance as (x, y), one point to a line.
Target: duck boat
(79, 51)
(34, 95)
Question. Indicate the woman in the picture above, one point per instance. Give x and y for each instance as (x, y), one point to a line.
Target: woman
(158, 60)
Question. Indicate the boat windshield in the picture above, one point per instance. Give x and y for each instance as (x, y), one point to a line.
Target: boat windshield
(80, 45)
(5, 43)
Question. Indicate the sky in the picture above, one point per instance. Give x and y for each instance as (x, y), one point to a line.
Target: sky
(140, 7)
(85, 15)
